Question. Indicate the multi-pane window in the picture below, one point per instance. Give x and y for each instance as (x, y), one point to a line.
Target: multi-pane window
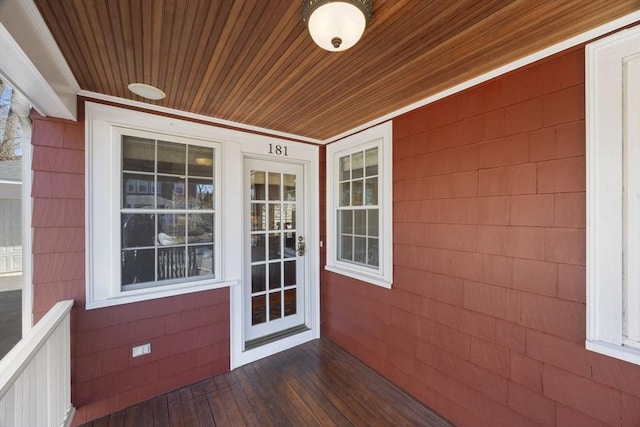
(359, 206)
(167, 225)
(358, 211)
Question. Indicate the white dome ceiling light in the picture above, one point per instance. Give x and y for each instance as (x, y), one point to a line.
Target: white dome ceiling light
(147, 91)
(336, 25)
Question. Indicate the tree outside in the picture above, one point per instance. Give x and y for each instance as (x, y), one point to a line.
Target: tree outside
(10, 130)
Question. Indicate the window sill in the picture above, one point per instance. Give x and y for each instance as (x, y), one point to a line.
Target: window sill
(616, 351)
(155, 293)
(354, 274)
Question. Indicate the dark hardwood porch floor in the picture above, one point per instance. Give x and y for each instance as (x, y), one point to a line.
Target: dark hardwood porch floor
(315, 384)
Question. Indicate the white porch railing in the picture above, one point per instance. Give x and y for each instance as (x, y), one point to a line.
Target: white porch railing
(35, 376)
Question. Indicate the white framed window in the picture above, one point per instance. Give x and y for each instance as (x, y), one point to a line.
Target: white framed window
(359, 206)
(163, 238)
(613, 196)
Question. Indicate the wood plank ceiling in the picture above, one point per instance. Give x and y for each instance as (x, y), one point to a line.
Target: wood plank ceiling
(253, 62)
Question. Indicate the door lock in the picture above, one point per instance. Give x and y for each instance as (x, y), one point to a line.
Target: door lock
(300, 246)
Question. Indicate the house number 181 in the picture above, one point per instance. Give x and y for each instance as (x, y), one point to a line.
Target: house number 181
(278, 150)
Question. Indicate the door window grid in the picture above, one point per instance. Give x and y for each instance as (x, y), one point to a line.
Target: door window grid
(273, 246)
(357, 214)
(166, 234)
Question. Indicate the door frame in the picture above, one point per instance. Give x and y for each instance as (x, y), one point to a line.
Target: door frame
(306, 155)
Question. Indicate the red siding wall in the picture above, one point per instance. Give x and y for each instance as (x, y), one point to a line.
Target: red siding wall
(189, 334)
(486, 318)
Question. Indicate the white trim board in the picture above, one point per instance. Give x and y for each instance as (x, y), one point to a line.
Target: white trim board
(33, 63)
(208, 119)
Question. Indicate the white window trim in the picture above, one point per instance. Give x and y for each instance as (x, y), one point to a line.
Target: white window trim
(382, 136)
(103, 280)
(605, 181)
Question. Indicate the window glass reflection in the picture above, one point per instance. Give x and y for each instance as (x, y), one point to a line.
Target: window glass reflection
(171, 229)
(290, 302)
(357, 165)
(274, 275)
(138, 191)
(371, 161)
(258, 309)
(200, 193)
(258, 247)
(258, 278)
(345, 168)
(200, 228)
(201, 260)
(170, 192)
(275, 305)
(200, 161)
(258, 191)
(137, 266)
(138, 154)
(171, 158)
(274, 186)
(138, 230)
(172, 263)
(289, 182)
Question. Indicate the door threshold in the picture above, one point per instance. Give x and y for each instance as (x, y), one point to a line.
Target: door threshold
(268, 339)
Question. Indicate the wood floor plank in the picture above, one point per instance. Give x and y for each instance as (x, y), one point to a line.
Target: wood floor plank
(315, 384)
(231, 410)
(215, 404)
(161, 411)
(131, 416)
(189, 413)
(262, 397)
(117, 419)
(176, 416)
(311, 390)
(101, 422)
(273, 380)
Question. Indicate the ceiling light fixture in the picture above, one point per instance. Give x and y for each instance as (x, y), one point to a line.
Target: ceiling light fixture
(336, 25)
(147, 91)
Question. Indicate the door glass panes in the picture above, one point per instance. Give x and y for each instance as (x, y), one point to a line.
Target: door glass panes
(290, 302)
(275, 305)
(164, 238)
(289, 190)
(275, 217)
(258, 309)
(274, 186)
(357, 215)
(273, 245)
(258, 278)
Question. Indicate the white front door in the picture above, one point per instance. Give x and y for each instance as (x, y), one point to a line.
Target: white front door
(274, 288)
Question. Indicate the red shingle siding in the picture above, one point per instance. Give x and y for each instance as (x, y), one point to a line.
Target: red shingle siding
(189, 334)
(487, 310)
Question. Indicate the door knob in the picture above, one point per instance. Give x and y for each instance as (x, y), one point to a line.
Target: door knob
(301, 246)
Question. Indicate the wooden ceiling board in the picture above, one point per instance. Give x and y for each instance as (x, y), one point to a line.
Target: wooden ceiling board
(253, 62)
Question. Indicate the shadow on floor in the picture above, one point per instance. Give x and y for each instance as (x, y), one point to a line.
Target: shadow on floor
(10, 320)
